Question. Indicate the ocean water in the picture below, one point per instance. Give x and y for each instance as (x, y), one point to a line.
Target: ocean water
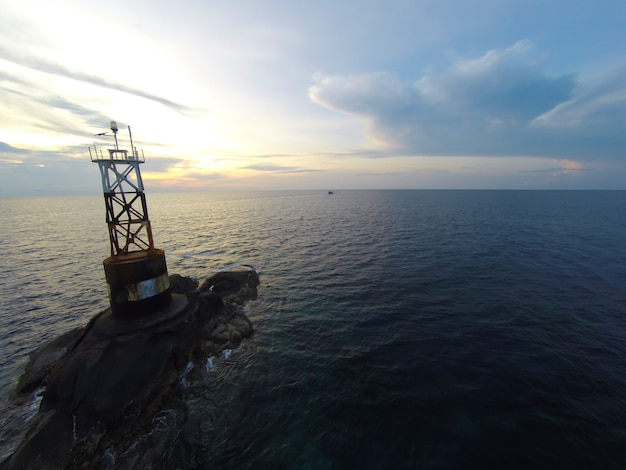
(394, 329)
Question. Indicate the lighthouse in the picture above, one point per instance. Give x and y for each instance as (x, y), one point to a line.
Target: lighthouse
(136, 272)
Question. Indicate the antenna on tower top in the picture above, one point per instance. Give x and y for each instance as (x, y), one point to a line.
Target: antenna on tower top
(114, 129)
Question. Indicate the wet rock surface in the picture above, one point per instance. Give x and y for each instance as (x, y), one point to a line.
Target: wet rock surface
(110, 386)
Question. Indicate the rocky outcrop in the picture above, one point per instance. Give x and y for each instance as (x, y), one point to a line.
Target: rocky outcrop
(107, 383)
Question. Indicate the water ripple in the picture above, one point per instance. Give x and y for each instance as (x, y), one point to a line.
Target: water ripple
(447, 329)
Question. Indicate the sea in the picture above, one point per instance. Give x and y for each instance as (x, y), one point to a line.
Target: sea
(393, 329)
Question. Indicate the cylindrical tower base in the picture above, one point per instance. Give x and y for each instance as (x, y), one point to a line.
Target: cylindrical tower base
(138, 283)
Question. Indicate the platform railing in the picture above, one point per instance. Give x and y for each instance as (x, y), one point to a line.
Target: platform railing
(116, 155)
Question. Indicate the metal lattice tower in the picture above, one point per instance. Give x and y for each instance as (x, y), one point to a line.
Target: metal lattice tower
(136, 271)
(127, 211)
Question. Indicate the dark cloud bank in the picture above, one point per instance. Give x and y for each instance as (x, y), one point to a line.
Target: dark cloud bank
(501, 104)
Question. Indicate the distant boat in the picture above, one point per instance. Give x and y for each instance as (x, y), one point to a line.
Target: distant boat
(330, 192)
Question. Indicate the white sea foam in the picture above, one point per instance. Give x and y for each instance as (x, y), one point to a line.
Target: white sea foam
(183, 377)
(37, 396)
(163, 420)
(15, 420)
(227, 353)
(108, 459)
(210, 364)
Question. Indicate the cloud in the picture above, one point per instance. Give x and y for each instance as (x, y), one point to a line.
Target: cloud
(500, 104)
(45, 172)
(25, 171)
(271, 168)
(567, 167)
(596, 108)
(29, 106)
(162, 164)
(61, 122)
(54, 68)
(6, 148)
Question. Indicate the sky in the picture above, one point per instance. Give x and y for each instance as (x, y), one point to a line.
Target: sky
(340, 94)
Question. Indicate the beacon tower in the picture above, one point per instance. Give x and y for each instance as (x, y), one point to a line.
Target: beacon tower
(136, 272)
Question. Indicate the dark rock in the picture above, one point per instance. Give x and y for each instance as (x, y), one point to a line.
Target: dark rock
(220, 334)
(43, 359)
(242, 324)
(234, 286)
(181, 284)
(107, 384)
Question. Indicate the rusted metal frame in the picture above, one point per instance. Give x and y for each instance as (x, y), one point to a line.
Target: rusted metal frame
(112, 223)
(129, 215)
(134, 238)
(146, 221)
(110, 207)
(144, 205)
(123, 211)
(118, 206)
(125, 205)
(115, 245)
(126, 231)
(119, 235)
(150, 239)
(130, 237)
